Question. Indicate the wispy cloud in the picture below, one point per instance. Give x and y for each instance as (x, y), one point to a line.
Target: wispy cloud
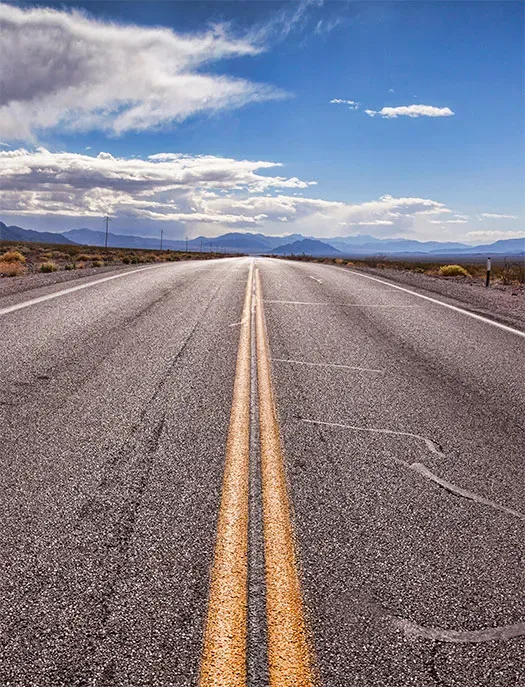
(80, 73)
(352, 104)
(411, 111)
(494, 215)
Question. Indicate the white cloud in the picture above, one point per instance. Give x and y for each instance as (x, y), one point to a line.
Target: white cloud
(411, 111)
(203, 190)
(353, 105)
(493, 215)
(67, 69)
(490, 236)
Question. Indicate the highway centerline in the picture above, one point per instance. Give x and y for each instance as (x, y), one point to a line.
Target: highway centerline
(223, 661)
(290, 654)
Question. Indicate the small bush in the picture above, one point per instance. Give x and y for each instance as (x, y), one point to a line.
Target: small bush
(11, 269)
(13, 256)
(126, 260)
(70, 266)
(48, 267)
(339, 261)
(453, 271)
(97, 263)
(83, 257)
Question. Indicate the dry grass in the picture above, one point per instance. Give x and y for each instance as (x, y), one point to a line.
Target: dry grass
(48, 267)
(453, 271)
(11, 269)
(13, 256)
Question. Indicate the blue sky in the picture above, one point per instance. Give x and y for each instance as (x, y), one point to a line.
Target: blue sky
(239, 83)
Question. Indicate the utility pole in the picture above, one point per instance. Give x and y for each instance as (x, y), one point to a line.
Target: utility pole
(161, 234)
(107, 220)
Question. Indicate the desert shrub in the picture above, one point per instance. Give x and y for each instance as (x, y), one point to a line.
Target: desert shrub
(11, 269)
(13, 256)
(48, 267)
(70, 266)
(126, 260)
(83, 257)
(339, 261)
(453, 271)
(97, 263)
(349, 264)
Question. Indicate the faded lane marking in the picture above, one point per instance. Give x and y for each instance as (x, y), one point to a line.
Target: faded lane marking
(72, 289)
(223, 661)
(445, 305)
(423, 470)
(315, 279)
(431, 445)
(489, 634)
(344, 305)
(238, 324)
(342, 367)
(290, 654)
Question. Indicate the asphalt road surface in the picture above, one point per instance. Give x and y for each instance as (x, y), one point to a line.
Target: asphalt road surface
(258, 472)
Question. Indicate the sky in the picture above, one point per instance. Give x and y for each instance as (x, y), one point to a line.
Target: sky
(394, 119)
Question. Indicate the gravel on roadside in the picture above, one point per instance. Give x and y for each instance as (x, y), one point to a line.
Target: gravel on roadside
(27, 282)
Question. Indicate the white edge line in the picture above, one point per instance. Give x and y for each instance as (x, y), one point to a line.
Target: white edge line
(49, 296)
(445, 305)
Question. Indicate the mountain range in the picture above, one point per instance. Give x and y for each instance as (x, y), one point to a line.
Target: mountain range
(256, 244)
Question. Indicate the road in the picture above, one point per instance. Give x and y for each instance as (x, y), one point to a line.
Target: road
(253, 472)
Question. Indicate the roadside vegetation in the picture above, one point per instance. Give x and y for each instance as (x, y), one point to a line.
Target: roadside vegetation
(18, 258)
(505, 272)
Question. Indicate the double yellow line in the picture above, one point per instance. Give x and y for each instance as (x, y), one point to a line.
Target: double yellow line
(290, 657)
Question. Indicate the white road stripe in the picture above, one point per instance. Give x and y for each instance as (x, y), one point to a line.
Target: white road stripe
(344, 367)
(344, 305)
(445, 305)
(315, 279)
(48, 297)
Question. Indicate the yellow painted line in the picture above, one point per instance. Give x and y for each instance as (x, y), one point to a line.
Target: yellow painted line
(290, 653)
(223, 661)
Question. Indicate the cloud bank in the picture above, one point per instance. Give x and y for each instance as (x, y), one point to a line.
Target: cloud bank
(196, 190)
(64, 68)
